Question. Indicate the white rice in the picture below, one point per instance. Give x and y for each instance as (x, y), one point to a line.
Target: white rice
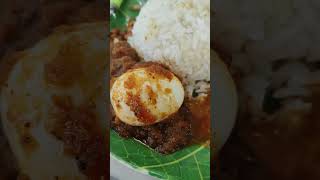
(269, 29)
(176, 33)
(258, 34)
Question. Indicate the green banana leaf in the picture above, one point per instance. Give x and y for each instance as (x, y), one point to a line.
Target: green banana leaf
(124, 12)
(190, 163)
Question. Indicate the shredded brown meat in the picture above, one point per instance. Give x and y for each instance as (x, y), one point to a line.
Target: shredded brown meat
(79, 129)
(165, 137)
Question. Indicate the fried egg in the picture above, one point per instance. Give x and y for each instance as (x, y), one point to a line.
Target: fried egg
(146, 95)
(53, 94)
(224, 101)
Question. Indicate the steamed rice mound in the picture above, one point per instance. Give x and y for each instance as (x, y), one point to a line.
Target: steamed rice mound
(177, 34)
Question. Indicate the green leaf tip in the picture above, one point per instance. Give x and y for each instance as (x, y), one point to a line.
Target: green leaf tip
(116, 3)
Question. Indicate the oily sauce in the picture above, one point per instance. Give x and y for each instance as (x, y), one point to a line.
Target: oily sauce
(200, 123)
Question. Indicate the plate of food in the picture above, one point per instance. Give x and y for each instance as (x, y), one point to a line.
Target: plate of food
(160, 91)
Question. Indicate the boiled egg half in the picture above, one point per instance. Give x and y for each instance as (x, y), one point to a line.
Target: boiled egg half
(146, 95)
(61, 76)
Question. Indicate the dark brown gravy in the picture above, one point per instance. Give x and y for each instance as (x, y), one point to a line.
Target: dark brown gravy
(200, 123)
